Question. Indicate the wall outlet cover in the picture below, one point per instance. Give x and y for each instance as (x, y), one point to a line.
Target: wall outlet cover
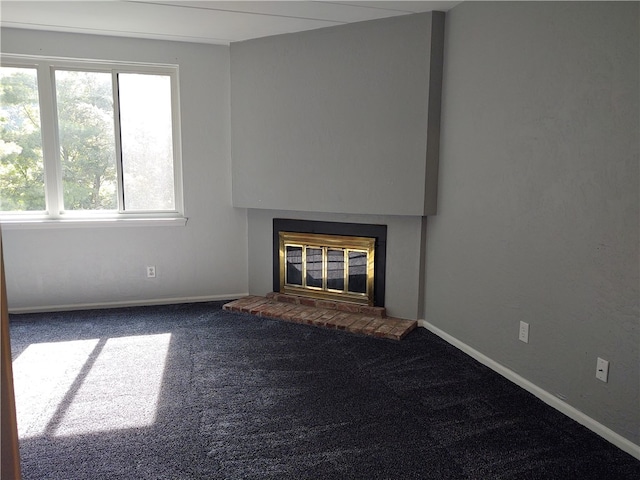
(602, 369)
(523, 334)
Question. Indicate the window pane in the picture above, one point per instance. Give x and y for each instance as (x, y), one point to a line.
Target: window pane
(87, 140)
(21, 164)
(147, 143)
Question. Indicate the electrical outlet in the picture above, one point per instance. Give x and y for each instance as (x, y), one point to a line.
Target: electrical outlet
(151, 271)
(602, 369)
(523, 336)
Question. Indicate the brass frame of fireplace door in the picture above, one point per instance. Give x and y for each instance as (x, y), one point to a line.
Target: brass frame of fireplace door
(328, 242)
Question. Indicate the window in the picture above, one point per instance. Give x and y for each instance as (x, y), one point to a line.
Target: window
(21, 167)
(88, 140)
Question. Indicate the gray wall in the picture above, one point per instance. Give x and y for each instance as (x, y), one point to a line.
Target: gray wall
(538, 214)
(207, 258)
(335, 120)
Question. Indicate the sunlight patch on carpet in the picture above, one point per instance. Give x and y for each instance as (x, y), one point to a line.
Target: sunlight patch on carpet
(43, 374)
(122, 389)
(87, 386)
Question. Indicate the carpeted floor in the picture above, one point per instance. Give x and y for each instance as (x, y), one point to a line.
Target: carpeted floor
(194, 392)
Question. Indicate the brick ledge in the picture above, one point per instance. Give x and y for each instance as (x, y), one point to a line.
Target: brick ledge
(329, 304)
(340, 316)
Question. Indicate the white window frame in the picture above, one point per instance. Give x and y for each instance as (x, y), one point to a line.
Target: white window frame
(54, 214)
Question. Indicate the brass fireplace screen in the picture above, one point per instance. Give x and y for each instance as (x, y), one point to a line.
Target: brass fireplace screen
(334, 267)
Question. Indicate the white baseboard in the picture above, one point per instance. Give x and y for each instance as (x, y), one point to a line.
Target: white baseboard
(548, 398)
(127, 303)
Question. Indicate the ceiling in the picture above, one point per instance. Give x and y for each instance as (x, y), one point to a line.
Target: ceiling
(200, 21)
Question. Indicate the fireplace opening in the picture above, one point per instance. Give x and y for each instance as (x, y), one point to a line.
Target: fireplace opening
(335, 267)
(330, 260)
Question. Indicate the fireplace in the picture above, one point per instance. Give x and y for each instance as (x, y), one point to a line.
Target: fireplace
(330, 260)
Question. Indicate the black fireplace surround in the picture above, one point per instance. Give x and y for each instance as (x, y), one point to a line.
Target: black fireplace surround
(379, 232)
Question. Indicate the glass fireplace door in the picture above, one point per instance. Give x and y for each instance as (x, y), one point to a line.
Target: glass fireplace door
(327, 266)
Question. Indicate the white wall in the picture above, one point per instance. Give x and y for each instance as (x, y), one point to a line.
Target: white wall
(206, 259)
(539, 210)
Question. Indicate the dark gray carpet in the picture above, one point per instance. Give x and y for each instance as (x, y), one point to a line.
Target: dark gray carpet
(250, 398)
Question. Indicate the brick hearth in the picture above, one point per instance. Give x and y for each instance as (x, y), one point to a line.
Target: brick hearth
(358, 319)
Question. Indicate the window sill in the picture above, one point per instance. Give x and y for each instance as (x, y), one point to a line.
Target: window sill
(28, 224)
